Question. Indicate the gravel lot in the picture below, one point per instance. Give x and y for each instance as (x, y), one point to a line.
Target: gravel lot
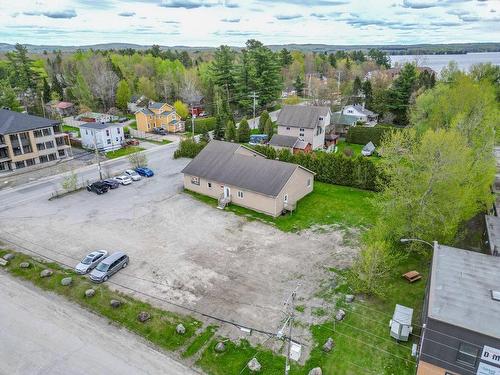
(183, 250)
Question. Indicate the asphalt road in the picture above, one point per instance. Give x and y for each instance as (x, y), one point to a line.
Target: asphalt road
(42, 333)
(45, 187)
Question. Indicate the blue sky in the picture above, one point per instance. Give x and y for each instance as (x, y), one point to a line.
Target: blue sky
(215, 22)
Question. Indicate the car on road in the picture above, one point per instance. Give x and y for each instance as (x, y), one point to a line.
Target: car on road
(98, 187)
(90, 261)
(144, 171)
(109, 266)
(112, 183)
(123, 179)
(133, 174)
(132, 142)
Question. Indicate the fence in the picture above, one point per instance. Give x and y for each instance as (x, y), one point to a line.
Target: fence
(147, 136)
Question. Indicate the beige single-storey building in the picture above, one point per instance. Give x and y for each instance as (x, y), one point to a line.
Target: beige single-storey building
(234, 173)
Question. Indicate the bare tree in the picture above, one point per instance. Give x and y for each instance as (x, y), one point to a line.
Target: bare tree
(189, 91)
(104, 80)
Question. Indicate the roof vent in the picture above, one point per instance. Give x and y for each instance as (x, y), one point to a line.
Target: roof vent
(495, 294)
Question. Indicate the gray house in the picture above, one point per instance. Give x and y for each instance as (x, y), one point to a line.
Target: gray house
(234, 173)
(307, 123)
(461, 314)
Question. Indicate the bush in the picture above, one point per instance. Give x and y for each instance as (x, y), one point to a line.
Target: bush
(189, 149)
(201, 125)
(362, 135)
(357, 171)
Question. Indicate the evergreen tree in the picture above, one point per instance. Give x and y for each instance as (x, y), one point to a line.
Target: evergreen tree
(332, 60)
(219, 127)
(223, 68)
(380, 58)
(367, 92)
(426, 79)
(400, 93)
(23, 77)
(348, 63)
(122, 95)
(230, 131)
(244, 82)
(244, 131)
(356, 86)
(264, 117)
(299, 85)
(268, 129)
(8, 97)
(46, 91)
(286, 58)
(56, 87)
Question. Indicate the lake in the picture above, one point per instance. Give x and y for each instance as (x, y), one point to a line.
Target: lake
(438, 62)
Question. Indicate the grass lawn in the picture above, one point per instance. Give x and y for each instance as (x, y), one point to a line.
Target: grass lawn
(123, 151)
(342, 145)
(71, 129)
(162, 142)
(327, 204)
(133, 125)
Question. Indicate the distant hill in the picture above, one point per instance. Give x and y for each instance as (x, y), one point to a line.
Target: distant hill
(396, 49)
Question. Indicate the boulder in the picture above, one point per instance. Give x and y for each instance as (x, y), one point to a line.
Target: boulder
(24, 265)
(254, 365)
(46, 273)
(349, 298)
(115, 303)
(316, 371)
(220, 347)
(3, 262)
(143, 316)
(328, 345)
(340, 315)
(89, 293)
(8, 256)
(180, 329)
(66, 281)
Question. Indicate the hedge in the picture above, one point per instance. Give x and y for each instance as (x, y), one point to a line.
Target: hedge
(358, 171)
(188, 149)
(201, 125)
(362, 135)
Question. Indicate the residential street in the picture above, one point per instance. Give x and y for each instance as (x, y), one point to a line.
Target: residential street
(42, 333)
(43, 188)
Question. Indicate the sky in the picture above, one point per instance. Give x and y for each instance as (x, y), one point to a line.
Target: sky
(232, 22)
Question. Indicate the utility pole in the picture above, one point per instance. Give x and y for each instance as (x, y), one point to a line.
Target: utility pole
(43, 104)
(290, 312)
(254, 96)
(192, 119)
(97, 155)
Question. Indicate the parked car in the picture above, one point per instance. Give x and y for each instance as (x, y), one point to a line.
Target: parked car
(132, 142)
(133, 174)
(146, 172)
(122, 119)
(160, 131)
(124, 180)
(90, 261)
(112, 183)
(98, 187)
(109, 267)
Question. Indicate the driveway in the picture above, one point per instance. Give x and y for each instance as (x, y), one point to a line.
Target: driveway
(42, 333)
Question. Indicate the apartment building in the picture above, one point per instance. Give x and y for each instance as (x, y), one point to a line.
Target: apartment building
(27, 141)
(159, 115)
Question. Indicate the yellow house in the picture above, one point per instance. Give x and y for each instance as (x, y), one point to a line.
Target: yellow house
(159, 115)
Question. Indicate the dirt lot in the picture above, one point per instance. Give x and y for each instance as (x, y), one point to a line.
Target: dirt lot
(181, 249)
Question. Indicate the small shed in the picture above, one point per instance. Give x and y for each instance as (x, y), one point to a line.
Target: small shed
(400, 323)
(369, 149)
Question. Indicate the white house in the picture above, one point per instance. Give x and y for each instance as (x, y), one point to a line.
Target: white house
(307, 123)
(107, 137)
(363, 115)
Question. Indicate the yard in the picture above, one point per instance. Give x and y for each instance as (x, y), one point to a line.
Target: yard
(71, 129)
(124, 151)
(326, 205)
(356, 149)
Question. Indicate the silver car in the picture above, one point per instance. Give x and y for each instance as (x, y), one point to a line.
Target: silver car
(133, 174)
(90, 261)
(109, 266)
(124, 180)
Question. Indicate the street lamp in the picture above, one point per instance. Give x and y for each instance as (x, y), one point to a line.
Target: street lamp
(407, 240)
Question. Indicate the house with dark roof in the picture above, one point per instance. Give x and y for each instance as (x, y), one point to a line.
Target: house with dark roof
(307, 123)
(341, 124)
(136, 103)
(461, 314)
(293, 144)
(27, 141)
(106, 137)
(159, 115)
(361, 113)
(235, 174)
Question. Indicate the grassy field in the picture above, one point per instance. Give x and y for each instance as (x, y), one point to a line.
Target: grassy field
(133, 125)
(71, 129)
(342, 145)
(327, 204)
(123, 152)
(162, 142)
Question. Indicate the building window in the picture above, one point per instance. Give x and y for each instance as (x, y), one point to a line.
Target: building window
(240, 194)
(44, 159)
(20, 164)
(109, 141)
(27, 149)
(47, 131)
(209, 185)
(38, 133)
(308, 182)
(301, 129)
(40, 146)
(195, 180)
(107, 132)
(287, 128)
(320, 118)
(61, 153)
(285, 198)
(301, 134)
(49, 144)
(30, 162)
(17, 150)
(86, 132)
(117, 139)
(467, 354)
(52, 157)
(24, 136)
(118, 130)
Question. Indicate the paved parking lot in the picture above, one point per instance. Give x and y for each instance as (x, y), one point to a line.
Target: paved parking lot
(181, 249)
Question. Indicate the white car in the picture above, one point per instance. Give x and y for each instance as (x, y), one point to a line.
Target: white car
(124, 180)
(90, 261)
(133, 174)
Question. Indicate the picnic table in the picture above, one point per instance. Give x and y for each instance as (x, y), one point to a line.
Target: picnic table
(412, 276)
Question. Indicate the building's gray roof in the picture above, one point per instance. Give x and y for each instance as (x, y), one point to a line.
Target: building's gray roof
(219, 162)
(156, 105)
(301, 116)
(341, 119)
(460, 290)
(98, 125)
(146, 111)
(13, 122)
(283, 140)
(363, 110)
(301, 145)
(493, 229)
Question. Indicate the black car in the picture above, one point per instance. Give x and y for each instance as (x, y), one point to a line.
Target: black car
(159, 131)
(98, 187)
(111, 183)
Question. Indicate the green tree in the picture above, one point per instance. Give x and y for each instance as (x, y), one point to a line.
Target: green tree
(332, 60)
(380, 58)
(268, 128)
(244, 82)
(489, 73)
(299, 85)
(286, 58)
(147, 88)
(23, 75)
(46, 91)
(426, 79)
(81, 91)
(223, 68)
(264, 117)
(56, 87)
(244, 131)
(123, 95)
(181, 109)
(230, 131)
(400, 93)
(356, 86)
(8, 97)
(367, 92)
